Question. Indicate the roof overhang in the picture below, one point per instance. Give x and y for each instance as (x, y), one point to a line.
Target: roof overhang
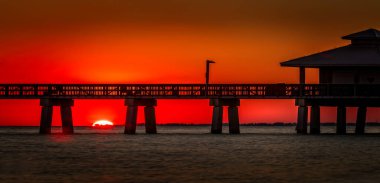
(346, 56)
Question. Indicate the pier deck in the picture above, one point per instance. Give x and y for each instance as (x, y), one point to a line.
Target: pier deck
(188, 91)
(220, 95)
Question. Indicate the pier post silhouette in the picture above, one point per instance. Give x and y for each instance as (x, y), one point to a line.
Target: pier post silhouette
(46, 119)
(67, 119)
(47, 115)
(341, 120)
(217, 116)
(302, 116)
(217, 120)
(149, 112)
(150, 119)
(315, 119)
(131, 118)
(233, 120)
(361, 119)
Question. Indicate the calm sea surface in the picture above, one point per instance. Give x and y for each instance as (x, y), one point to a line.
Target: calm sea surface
(188, 154)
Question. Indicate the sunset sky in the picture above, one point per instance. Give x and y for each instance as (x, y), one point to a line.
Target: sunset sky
(167, 41)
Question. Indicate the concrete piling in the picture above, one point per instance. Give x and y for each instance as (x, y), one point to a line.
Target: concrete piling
(315, 120)
(150, 120)
(301, 126)
(130, 124)
(233, 120)
(341, 120)
(67, 119)
(217, 115)
(47, 115)
(149, 104)
(217, 120)
(360, 120)
(149, 112)
(46, 119)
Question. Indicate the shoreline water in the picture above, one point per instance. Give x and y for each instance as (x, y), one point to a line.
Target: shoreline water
(189, 129)
(224, 124)
(188, 154)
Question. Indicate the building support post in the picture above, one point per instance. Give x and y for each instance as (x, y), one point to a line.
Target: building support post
(341, 120)
(315, 120)
(301, 127)
(46, 119)
(150, 120)
(130, 124)
(302, 75)
(233, 120)
(360, 120)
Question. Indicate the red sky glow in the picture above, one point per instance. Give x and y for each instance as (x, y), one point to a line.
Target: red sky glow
(165, 41)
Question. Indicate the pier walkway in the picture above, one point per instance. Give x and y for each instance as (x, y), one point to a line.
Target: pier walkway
(188, 91)
(220, 95)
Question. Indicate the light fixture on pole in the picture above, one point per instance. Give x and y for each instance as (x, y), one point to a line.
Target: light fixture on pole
(208, 62)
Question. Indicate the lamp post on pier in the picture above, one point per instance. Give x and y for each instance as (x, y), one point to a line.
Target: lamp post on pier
(208, 62)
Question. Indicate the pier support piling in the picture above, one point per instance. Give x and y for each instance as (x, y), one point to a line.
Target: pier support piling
(360, 120)
(67, 120)
(301, 126)
(47, 115)
(233, 120)
(315, 120)
(341, 120)
(150, 120)
(130, 124)
(46, 119)
(217, 120)
(217, 116)
(149, 112)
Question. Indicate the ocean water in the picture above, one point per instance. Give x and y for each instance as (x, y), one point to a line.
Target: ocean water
(188, 154)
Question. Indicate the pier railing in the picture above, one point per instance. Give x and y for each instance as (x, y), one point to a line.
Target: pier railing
(188, 91)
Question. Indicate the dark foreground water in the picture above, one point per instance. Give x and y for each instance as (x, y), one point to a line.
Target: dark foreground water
(188, 154)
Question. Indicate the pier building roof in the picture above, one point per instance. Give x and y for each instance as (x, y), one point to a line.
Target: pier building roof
(364, 51)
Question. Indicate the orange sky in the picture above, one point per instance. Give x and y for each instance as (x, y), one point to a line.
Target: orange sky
(167, 41)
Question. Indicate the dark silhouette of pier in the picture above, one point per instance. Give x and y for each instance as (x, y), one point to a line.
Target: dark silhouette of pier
(349, 77)
(188, 91)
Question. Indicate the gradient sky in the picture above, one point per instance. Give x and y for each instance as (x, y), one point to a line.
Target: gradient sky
(167, 41)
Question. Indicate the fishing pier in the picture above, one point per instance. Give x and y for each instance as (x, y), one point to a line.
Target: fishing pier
(349, 76)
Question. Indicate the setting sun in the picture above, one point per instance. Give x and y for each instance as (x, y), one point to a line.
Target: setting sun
(102, 123)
